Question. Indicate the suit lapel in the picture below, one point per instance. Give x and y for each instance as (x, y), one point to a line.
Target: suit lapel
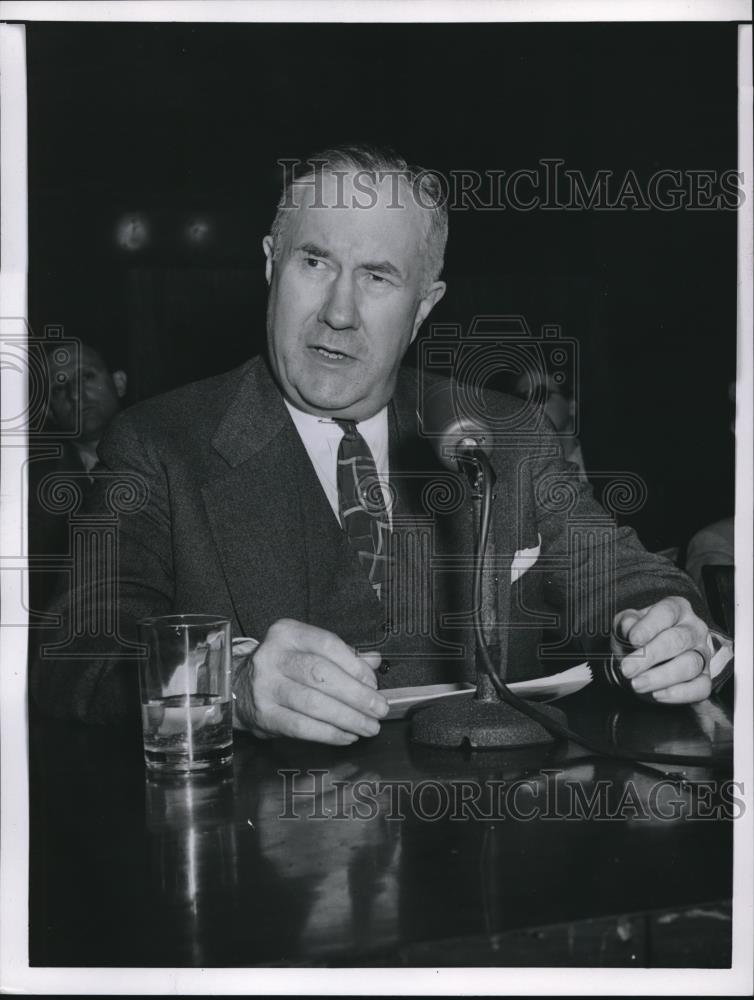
(283, 552)
(254, 508)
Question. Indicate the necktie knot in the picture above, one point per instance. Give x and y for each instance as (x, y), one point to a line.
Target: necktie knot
(350, 433)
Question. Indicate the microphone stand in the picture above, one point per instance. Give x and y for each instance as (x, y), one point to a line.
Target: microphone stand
(493, 718)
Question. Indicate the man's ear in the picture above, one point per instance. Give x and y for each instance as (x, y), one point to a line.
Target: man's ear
(427, 304)
(120, 381)
(267, 246)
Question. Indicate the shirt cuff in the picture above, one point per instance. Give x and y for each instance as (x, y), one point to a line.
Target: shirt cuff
(721, 658)
(242, 648)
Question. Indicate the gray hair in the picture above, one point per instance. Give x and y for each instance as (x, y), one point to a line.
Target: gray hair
(425, 187)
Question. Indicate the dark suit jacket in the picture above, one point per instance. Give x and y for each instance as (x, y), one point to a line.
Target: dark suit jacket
(235, 523)
(59, 464)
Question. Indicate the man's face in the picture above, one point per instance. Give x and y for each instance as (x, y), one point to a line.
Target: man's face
(558, 407)
(90, 392)
(346, 297)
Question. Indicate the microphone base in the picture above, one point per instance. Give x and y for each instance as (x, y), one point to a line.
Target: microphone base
(481, 725)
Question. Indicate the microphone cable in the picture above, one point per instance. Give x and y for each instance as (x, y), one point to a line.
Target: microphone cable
(713, 761)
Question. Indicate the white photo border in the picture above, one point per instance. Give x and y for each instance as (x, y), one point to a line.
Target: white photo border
(15, 973)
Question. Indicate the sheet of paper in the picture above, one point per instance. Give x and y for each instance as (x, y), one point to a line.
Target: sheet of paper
(403, 700)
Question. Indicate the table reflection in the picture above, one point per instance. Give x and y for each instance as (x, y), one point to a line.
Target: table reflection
(663, 729)
(193, 859)
(350, 866)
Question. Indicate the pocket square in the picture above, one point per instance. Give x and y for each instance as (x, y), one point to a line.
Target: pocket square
(524, 559)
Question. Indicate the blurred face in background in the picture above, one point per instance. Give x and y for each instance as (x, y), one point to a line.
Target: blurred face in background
(558, 407)
(84, 395)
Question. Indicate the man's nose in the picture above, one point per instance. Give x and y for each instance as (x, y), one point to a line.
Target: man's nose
(340, 309)
(70, 387)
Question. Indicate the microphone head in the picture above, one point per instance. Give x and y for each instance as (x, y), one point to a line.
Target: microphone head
(450, 427)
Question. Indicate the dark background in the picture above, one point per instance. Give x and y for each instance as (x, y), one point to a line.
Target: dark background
(180, 122)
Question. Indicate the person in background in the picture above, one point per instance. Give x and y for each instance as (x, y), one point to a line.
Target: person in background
(713, 545)
(85, 394)
(559, 404)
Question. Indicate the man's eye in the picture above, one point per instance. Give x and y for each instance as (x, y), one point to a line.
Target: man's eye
(313, 262)
(377, 279)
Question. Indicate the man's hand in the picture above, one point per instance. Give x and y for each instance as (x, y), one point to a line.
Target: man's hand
(668, 656)
(307, 683)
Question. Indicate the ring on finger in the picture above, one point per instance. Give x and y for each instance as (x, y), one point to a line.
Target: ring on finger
(703, 658)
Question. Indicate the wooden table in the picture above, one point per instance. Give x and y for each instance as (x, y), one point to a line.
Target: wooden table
(494, 858)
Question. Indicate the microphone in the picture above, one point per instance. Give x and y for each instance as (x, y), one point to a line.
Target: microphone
(454, 433)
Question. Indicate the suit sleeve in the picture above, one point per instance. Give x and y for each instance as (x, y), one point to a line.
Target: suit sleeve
(86, 668)
(599, 567)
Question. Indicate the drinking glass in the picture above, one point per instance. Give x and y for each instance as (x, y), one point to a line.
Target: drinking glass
(185, 683)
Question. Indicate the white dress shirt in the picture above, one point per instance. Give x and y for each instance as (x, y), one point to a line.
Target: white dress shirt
(88, 460)
(321, 438)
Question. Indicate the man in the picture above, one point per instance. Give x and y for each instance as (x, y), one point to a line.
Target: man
(246, 517)
(714, 545)
(560, 407)
(84, 397)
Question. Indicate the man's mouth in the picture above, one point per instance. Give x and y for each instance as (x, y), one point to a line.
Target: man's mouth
(330, 354)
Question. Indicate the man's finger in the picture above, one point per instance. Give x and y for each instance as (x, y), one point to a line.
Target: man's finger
(320, 674)
(311, 639)
(317, 705)
(679, 670)
(625, 622)
(661, 616)
(679, 694)
(284, 722)
(666, 646)
(373, 659)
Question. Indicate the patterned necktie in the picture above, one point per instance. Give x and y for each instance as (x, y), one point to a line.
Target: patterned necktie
(362, 505)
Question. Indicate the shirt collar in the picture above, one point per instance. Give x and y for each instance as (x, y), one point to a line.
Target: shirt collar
(314, 428)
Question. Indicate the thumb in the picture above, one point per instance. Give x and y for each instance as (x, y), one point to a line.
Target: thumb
(624, 622)
(372, 658)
